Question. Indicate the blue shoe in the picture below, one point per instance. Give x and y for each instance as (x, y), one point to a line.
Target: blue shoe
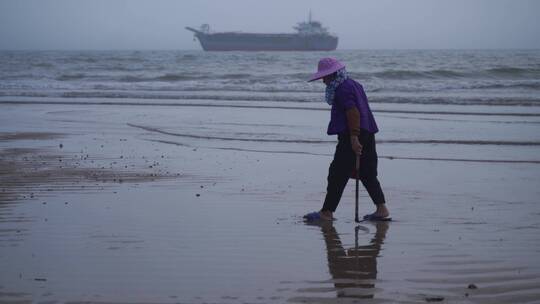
(376, 218)
(312, 217)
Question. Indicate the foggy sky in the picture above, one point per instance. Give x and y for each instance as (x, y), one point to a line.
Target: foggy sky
(360, 24)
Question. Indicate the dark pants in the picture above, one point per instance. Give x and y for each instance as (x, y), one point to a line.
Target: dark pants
(343, 164)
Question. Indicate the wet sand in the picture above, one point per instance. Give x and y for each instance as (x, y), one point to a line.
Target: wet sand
(176, 204)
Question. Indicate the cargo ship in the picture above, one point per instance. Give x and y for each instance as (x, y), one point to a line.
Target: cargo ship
(309, 36)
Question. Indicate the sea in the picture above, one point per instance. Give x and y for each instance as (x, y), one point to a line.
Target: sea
(457, 105)
(240, 140)
(453, 77)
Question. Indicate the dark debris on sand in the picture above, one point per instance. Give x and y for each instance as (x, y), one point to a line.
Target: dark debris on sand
(27, 172)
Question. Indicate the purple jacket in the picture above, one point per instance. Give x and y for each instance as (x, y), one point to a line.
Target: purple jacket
(350, 94)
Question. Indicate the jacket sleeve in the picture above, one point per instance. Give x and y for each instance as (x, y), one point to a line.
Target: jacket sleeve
(347, 99)
(353, 121)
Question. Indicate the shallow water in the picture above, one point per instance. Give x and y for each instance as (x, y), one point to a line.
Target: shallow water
(470, 217)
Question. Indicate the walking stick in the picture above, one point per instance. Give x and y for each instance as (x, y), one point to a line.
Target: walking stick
(356, 193)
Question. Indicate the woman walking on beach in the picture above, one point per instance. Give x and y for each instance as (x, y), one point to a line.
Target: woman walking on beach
(352, 121)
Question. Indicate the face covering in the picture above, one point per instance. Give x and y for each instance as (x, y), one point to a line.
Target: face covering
(341, 76)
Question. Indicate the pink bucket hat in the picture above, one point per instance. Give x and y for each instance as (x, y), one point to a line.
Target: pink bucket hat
(326, 67)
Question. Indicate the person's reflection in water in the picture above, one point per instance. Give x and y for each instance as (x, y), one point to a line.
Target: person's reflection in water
(354, 271)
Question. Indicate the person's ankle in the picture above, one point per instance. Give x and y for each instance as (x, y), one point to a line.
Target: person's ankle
(326, 214)
(382, 210)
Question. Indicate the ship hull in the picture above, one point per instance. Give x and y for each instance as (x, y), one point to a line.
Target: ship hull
(266, 42)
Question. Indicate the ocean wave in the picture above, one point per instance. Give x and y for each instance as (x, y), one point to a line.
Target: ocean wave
(452, 100)
(164, 77)
(287, 83)
(280, 106)
(207, 88)
(78, 59)
(502, 72)
(432, 74)
(506, 85)
(70, 76)
(513, 72)
(172, 77)
(412, 80)
(177, 96)
(464, 85)
(409, 74)
(176, 77)
(19, 76)
(269, 97)
(273, 77)
(186, 57)
(128, 59)
(46, 65)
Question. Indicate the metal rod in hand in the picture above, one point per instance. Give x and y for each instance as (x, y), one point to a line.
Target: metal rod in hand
(356, 193)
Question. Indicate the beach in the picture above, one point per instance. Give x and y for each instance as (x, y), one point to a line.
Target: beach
(192, 190)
